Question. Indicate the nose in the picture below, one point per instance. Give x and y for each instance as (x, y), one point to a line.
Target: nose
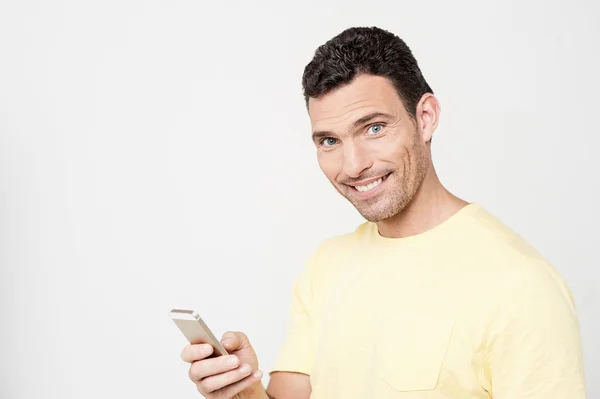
(356, 160)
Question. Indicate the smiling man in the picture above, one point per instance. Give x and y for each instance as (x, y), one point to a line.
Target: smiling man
(369, 147)
(432, 297)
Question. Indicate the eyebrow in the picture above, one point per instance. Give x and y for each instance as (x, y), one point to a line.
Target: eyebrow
(357, 123)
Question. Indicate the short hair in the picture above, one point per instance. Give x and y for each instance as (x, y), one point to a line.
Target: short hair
(365, 50)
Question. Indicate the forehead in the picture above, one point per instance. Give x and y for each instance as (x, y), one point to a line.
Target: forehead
(364, 95)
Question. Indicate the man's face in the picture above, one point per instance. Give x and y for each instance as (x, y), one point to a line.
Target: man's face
(369, 147)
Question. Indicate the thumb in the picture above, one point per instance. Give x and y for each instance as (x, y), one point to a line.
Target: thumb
(233, 341)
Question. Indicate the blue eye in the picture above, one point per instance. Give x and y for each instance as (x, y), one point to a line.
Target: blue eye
(375, 129)
(329, 142)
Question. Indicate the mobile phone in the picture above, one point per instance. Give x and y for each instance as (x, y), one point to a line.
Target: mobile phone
(195, 330)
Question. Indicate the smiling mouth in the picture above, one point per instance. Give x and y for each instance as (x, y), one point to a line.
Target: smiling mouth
(372, 185)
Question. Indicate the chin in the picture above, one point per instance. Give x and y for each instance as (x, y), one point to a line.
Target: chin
(372, 218)
(376, 218)
(382, 210)
(376, 215)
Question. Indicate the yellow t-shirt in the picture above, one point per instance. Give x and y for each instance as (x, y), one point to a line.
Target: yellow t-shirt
(466, 310)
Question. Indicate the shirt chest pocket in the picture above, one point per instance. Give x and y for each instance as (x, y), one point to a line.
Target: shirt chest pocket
(410, 353)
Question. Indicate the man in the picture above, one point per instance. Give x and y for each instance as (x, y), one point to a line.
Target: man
(432, 297)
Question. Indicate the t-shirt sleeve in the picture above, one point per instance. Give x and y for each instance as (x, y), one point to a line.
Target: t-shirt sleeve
(534, 349)
(298, 349)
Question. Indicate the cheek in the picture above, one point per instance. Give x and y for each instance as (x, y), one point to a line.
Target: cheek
(390, 152)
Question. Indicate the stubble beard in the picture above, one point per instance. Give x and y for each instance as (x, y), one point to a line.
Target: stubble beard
(398, 192)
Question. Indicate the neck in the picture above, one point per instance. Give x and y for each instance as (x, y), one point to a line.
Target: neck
(431, 206)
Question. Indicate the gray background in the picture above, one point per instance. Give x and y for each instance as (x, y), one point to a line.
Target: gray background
(157, 155)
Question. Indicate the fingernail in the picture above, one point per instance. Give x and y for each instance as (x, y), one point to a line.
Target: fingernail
(232, 361)
(257, 374)
(245, 369)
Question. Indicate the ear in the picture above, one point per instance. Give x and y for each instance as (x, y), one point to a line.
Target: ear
(427, 116)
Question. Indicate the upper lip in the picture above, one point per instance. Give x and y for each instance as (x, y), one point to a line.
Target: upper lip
(365, 182)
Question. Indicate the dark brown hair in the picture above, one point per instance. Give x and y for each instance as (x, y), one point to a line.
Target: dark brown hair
(365, 50)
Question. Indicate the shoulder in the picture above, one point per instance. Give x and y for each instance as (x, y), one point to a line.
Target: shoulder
(333, 252)
(485, 237)
(519, 271)
(341, 244)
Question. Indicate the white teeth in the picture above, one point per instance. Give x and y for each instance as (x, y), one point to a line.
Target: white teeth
(369, 186)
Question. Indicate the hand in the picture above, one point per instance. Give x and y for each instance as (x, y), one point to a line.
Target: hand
(225, 377)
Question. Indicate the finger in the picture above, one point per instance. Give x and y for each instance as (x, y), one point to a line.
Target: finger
(233, 389)
(223, 381)
(232, 341)
(208, 367)
(193, 353)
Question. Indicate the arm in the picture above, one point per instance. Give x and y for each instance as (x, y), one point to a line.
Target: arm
(217, 378)
(290, 378)
(534, 349)
(285, 385)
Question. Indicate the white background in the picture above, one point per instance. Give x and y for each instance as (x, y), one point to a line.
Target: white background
(157, 155)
